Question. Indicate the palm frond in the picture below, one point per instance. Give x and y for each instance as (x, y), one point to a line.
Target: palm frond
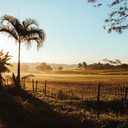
(28, 76)
(9, 30)
(1, 53)
(3, 62)
(35, 34)
(29, 22)
(28, 43)
(8, 77)
(9, 64)
(3, 68)
(7, 18)
(14, 22)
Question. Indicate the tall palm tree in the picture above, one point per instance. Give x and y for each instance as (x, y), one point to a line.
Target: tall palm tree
(23, 32)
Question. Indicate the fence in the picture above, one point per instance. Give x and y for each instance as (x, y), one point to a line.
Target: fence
(79, 90)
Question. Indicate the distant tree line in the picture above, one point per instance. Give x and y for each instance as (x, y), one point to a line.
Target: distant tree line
(43, 67)
(25, 67)
(109, 64)
(82, 65)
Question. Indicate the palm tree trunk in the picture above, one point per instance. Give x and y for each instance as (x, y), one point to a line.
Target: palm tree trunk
(18, 76)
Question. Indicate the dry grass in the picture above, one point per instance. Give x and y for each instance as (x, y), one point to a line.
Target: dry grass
(72, 95)
(80, 75)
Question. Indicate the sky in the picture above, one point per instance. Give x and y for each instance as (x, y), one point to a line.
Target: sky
(74, 32)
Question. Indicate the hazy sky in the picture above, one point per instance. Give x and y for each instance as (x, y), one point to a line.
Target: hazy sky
(74, 30)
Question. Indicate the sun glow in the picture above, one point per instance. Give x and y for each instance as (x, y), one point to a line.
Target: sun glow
(8, 44)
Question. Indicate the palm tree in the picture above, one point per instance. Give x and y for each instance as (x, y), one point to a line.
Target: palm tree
(23, 32)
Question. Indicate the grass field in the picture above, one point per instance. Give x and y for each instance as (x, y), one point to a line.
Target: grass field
(81, 75)
(71, 100)
(81, 82)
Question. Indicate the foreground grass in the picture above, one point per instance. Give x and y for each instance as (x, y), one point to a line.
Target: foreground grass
(26, 110)
(23, 110)
(19, 109)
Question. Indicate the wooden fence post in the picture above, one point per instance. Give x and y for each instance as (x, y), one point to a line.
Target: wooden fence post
(125, 95)
(36, 86)
(7, 81)
(24, 86)
(45, 87)
(32, 85)
(98, 94)
(82, 96)
(98, 100)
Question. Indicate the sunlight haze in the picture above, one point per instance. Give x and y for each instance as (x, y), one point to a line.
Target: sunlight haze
(74, 32)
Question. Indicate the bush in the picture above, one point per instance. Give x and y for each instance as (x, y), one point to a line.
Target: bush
(61, 95)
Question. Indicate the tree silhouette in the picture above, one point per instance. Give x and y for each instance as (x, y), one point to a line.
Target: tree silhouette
(43, 67)
(112, 62)
(60, 68)
(80, 65)
(23, 32)
(118, 18)
(3, 65)
(84, 65)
